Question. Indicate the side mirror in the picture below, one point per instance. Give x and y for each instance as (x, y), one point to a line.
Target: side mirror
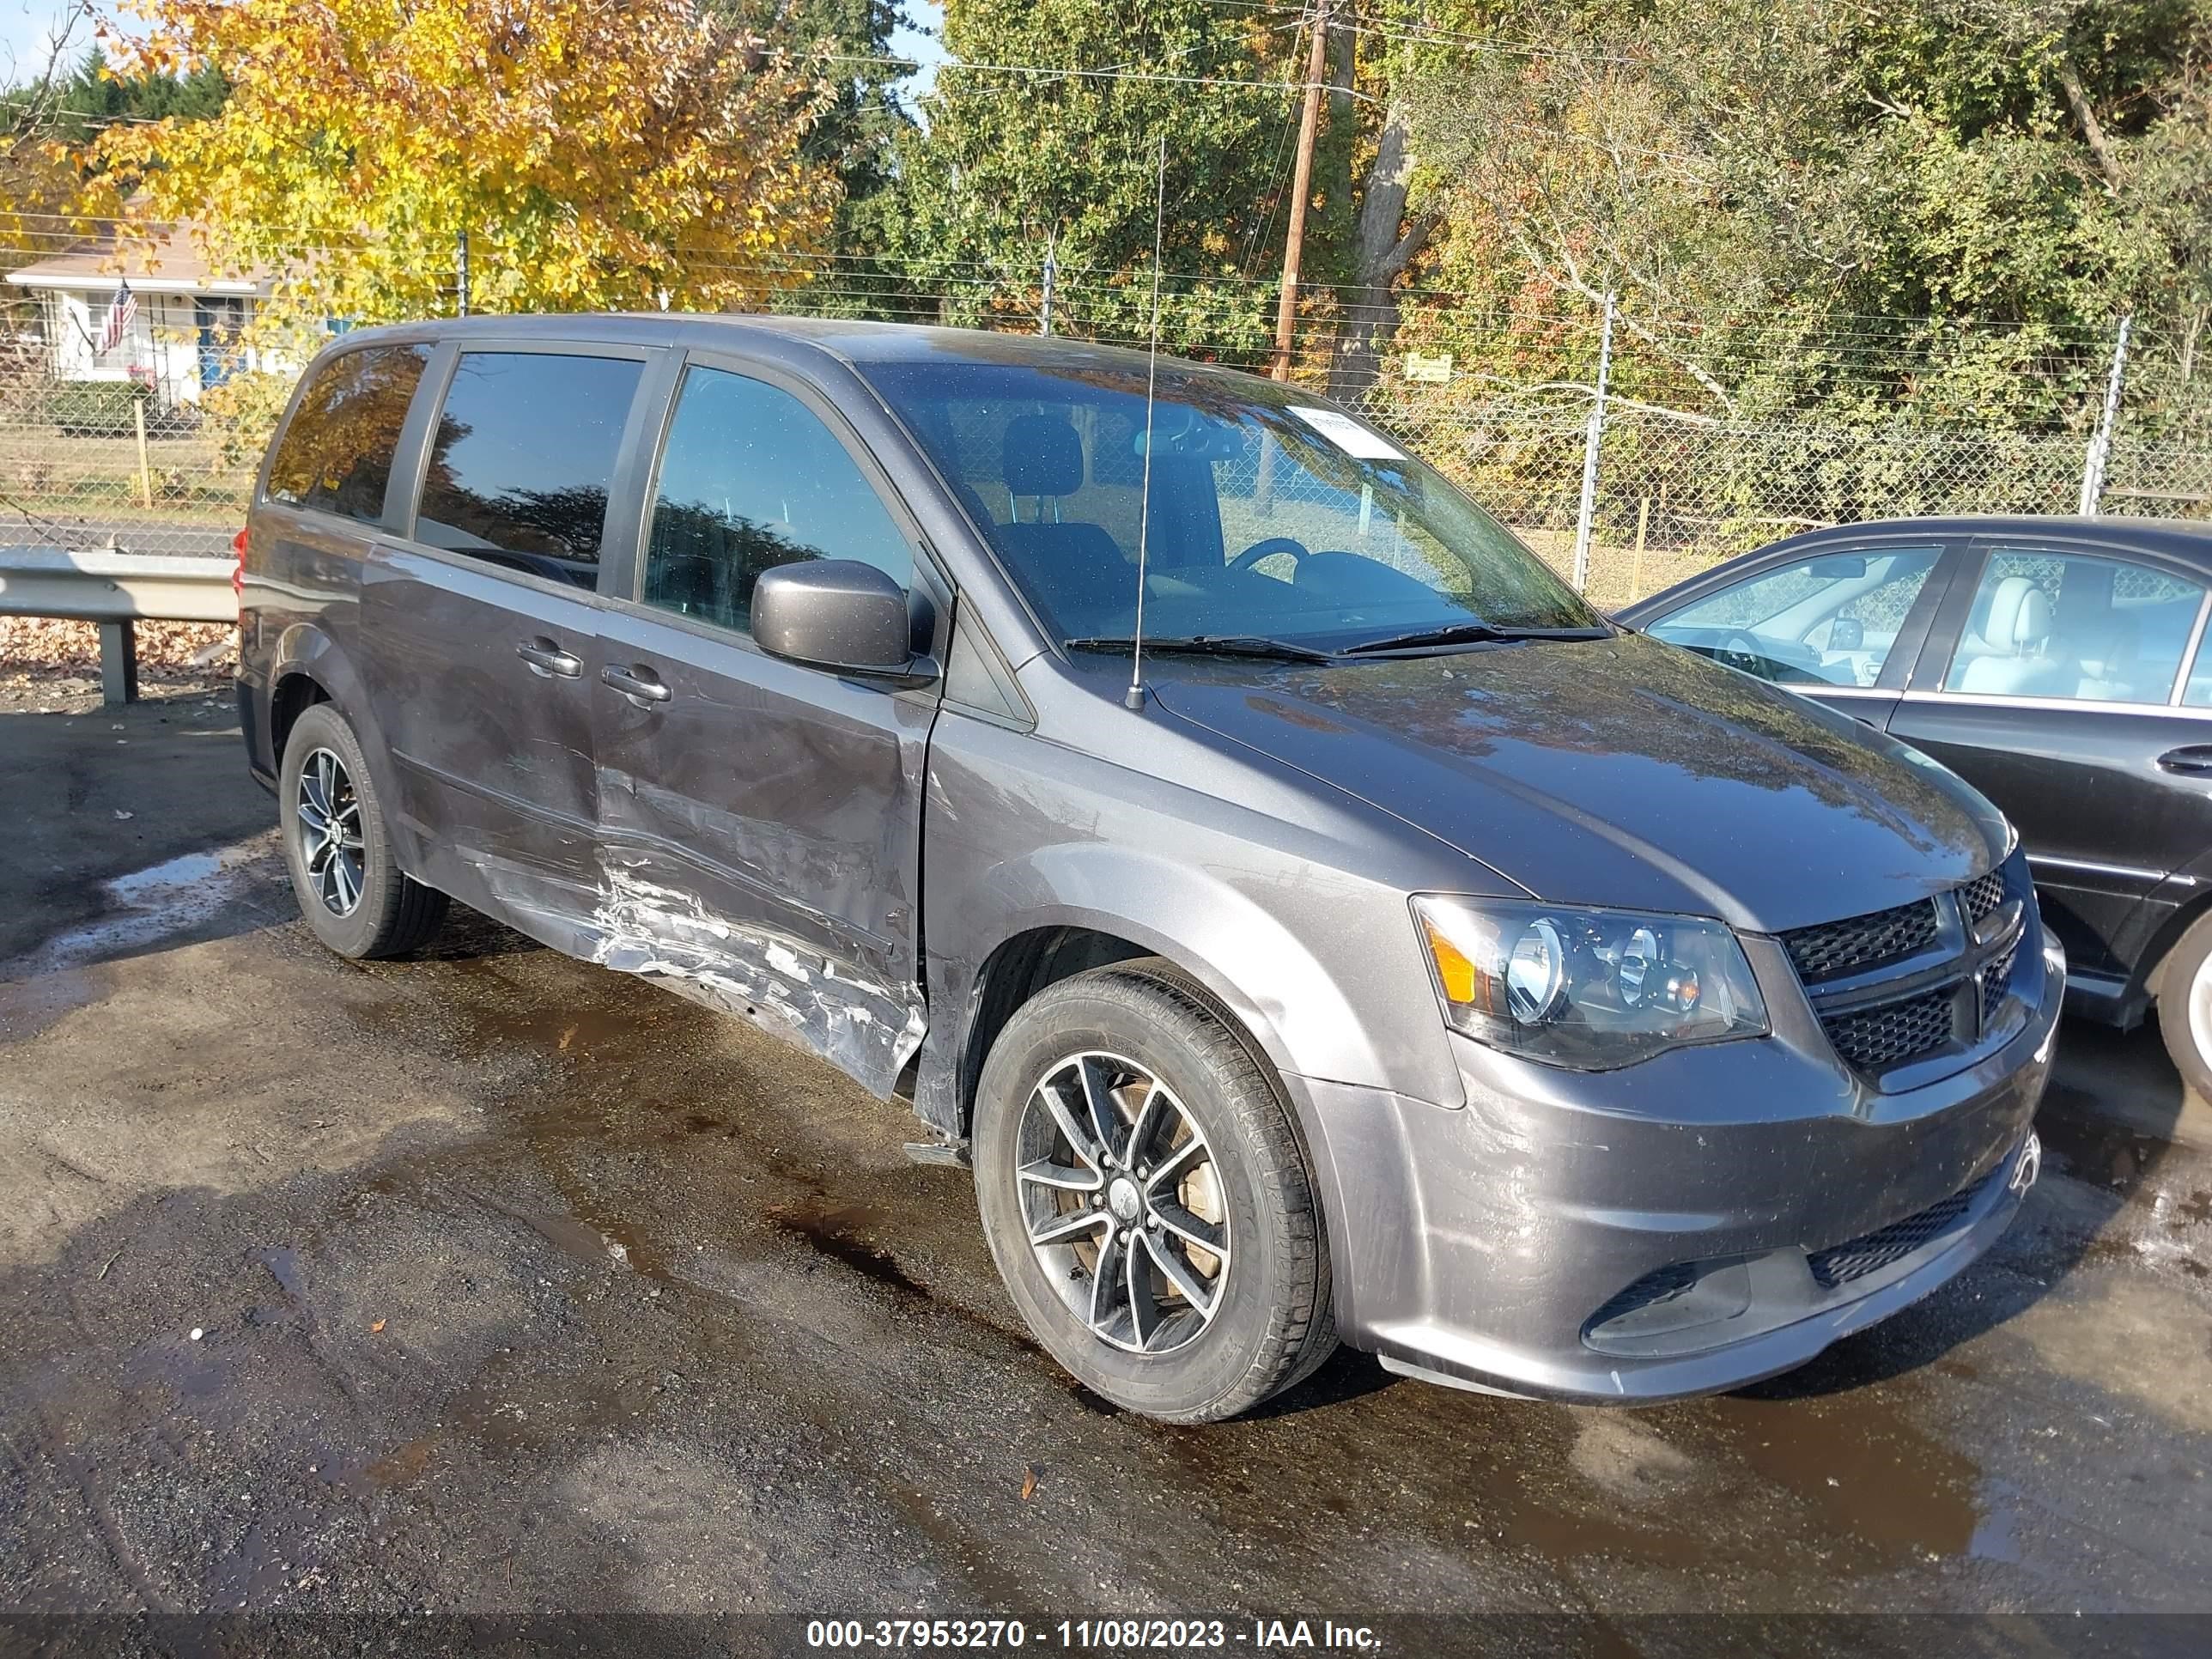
(838, 614)
(1847, 634)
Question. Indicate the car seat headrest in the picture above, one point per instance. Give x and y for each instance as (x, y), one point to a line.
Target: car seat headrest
(2019, 617)
(1040, 455)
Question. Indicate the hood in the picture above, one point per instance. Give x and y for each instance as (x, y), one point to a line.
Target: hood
(1617, 772)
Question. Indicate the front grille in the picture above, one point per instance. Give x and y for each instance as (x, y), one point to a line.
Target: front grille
(1874, 1028)
(1996, 982)
(1885, 1247)
(1841, 947)
(1978, 898)
(1660, 1285)
(1875, 1039)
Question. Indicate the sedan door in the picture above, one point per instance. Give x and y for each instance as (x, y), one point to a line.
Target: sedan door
(481, 612)
(2054, 683)
(1837, 621)
(759, 820)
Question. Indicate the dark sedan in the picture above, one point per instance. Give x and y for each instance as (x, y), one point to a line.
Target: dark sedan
(2056, 664)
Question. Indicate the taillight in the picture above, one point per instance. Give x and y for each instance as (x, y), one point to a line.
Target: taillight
(238, 568)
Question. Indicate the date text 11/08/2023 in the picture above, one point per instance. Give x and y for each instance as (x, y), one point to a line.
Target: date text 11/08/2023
(1108, 1635)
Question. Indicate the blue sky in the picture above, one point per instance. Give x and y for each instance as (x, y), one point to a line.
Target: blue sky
(922, 40)
(26, 26)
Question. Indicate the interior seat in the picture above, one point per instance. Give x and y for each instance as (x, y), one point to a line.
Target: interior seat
(1078, 566)
(2007, 651)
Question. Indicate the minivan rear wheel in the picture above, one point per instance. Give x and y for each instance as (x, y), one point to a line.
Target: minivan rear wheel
(352, 892)
(2184, 1006)
(1147, 1200)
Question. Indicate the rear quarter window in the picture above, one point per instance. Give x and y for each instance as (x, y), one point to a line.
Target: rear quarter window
(335, 454)
(523, 458)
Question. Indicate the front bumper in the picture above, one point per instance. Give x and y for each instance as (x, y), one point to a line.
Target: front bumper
(1687, 1226)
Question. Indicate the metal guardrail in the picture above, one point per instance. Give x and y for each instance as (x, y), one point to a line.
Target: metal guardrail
(116, 590)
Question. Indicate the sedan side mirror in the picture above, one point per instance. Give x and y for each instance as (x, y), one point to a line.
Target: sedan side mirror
(838, 614)
(1846, 633)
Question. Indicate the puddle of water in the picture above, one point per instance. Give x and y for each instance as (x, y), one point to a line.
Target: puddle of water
(1861, 1467)
(836, 1233)
(164, 899)
(2097, 1150)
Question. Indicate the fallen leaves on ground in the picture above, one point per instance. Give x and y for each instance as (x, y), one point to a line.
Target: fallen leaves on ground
(42, 647)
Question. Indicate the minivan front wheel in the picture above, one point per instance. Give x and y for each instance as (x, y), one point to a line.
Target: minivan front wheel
(352, 892)
(1147, 1200)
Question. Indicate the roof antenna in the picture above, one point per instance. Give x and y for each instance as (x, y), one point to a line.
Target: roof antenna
(1135, 697)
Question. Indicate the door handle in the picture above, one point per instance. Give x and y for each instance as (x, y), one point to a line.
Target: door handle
(2191, 761)
(640, 682)
(546, 657)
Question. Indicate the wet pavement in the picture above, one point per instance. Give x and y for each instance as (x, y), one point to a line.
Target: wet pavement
(491, 1282)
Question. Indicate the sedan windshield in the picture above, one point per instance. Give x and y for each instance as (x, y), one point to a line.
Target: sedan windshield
(1273, 517)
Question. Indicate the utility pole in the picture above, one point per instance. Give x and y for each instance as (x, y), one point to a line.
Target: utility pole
(2100, 441)
(1593, 440)
(461, 273)
(1286, 311)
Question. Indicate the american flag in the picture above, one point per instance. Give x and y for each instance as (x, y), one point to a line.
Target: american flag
(120, 312)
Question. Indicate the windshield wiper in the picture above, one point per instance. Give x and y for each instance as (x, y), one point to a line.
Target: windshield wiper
(1212, 645)
(1466, 633)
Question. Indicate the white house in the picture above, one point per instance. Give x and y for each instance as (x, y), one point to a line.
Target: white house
(185, 336)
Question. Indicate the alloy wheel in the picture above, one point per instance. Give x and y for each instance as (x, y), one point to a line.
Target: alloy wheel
(1123, 1203)
(330, 845)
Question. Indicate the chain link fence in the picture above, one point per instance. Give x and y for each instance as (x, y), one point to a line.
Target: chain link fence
(1676, 496)
(122, 463)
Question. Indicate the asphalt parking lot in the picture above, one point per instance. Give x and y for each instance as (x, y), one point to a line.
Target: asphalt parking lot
(491, 1282)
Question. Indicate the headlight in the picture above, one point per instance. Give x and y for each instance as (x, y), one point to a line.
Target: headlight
(1589, 989)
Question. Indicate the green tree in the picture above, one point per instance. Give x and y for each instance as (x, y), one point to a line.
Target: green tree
(1009, 162)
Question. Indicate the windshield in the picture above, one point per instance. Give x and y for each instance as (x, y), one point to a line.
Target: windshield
(1273, 517)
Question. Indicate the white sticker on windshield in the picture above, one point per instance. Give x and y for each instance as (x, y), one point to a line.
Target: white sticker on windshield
(1348, 436)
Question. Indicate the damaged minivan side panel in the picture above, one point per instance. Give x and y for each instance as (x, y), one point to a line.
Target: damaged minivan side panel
(760, 820)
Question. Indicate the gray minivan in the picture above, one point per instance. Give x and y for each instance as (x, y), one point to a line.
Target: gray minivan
(1395, 952)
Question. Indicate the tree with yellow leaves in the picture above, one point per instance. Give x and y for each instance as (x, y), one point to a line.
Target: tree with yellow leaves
(599, 154)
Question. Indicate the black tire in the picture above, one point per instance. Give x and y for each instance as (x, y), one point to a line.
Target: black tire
(391, 912)
(1272, 1323)
(2184, 1006)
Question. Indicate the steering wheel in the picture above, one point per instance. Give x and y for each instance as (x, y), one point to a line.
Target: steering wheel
(1751, 656)
(1268, 549)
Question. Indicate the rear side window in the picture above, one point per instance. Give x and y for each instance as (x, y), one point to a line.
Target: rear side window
(335, 455)
(523, 458)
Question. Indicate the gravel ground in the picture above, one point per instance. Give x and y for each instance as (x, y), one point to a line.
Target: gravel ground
(348, 1301)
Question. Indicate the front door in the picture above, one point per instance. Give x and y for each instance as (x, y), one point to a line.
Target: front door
(2053, 683)
(481, 616)
(759, 821)
(1827, 625)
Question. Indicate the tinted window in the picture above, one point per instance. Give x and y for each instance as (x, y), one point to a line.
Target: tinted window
(2050, 624)
(1829, 620)
(335, 455)
(525, 452)
(750, 480)
(1269, 514)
